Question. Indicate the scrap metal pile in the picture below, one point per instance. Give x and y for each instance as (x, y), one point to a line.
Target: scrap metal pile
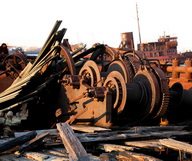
(101, 86)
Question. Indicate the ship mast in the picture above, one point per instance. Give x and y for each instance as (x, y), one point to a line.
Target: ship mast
(138, 24)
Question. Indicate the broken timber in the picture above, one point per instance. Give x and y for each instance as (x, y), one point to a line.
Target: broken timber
(72, 144)
(176, 145)
(33, 143)
(17, 141)
(88, 129)
(147, 144)
(146, 133)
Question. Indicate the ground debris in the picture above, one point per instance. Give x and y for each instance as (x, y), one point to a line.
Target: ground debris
(136, 143)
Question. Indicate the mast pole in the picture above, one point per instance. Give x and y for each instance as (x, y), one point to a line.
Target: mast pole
(138, 24)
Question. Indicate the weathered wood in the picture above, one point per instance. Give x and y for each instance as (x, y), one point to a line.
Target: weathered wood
(111, 136)
(36, 156)
(53, 132)
(17, 141)
(12, 157)
(70, 141)
(177, 145)
(148, 144)
(108, 157)
(88, 129)
(55, 152)
(156, 128)
(39, 156)
(33, 143)
(137, 156)
(132, 134)
(126, 156)
(114, 147)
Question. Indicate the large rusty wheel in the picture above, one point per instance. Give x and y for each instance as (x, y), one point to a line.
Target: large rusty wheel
(149, 84)
(134, 60)
(14, 64)
(65, 53)
(123, 67)
(105, 56)
(91, 74)
(164, 90)
(116, 83)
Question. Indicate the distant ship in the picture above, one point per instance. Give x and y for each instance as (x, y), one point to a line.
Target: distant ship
(164, 50)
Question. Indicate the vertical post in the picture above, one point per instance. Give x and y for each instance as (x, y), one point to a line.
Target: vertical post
(188, 64)
(175, 73)
(138, 24)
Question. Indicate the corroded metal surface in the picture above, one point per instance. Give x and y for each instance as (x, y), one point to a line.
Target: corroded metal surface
(181, 73)
(103, 86)
(12, 65)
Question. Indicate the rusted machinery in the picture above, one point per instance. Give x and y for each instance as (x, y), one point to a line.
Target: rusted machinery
(10, 68)
(102, 86)
(181, 73)
(113, 87)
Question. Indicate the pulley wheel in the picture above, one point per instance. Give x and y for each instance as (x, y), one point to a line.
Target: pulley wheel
(14, 64)
(150, 89)
(91, 74)
(123, 67)
(116, 83)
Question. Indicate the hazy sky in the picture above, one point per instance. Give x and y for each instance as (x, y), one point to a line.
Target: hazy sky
(28, 22)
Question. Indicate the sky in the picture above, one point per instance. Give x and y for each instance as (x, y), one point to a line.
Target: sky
(29, 22)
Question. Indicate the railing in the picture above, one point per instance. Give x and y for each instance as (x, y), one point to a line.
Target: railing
(181, 72)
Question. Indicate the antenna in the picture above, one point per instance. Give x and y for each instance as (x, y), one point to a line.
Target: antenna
(138, 24)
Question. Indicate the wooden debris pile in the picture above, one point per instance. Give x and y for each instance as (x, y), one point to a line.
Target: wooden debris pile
(136, 143)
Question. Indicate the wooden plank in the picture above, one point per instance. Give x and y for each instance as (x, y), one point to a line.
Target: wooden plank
(71, 142)
(114, 157)
(156, 128)
(127, 156)
(33, 143)
(88, 129)
(36, 156)
(17, 141)
(57, 152)
(114, 147)
(115, 136)
(39, 156)
(50, 131)
(138, 156)
(12, 157)
(131, 134)
(148, 144)
(177, 145)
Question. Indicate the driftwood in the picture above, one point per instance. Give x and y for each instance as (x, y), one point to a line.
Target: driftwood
(17, 141)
